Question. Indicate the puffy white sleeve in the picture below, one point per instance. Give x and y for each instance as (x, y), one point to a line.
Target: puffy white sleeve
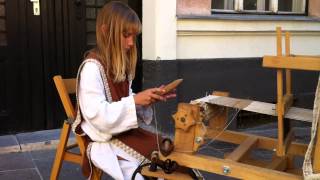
(144, 113)
(110, 118)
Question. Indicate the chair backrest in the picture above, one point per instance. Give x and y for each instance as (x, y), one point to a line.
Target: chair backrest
(66, 87)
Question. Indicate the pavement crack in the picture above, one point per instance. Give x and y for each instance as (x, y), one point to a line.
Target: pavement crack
(16, 138)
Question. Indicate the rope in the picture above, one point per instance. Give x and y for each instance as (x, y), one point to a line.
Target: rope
(307, 164)
(156, 123)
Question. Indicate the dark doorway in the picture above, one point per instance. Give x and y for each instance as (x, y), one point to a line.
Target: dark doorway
(32, 50)
(35, 48)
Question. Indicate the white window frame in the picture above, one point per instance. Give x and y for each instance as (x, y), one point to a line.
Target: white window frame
(238, 7)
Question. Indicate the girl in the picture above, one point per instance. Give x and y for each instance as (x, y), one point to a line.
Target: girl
(108, 111)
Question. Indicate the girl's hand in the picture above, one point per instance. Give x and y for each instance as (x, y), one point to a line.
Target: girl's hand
(149, 96)
(168, 95)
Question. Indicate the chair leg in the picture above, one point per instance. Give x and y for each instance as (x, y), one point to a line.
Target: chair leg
(96, 173)
(60, 151)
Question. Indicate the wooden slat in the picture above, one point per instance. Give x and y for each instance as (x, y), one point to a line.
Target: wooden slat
(288, 139)
(287, 102)
(72, 157)
(278, 163)
(297, 55)
(71, 146)
(294, 113)
(96, 173)
(160, 174)
(64, 96)
(295, 171)
(254, 162)
(298, 63)
(236, 169)
(70, 85)
(290, 161)
(243, 149)
(263, 142)
(60, 152)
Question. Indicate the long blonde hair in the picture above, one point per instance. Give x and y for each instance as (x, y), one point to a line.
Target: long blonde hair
(114, 20)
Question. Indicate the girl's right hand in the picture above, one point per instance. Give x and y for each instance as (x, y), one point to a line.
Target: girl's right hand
(149, 96)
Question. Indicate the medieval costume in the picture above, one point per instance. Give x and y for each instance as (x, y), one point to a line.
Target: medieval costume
(107, 114)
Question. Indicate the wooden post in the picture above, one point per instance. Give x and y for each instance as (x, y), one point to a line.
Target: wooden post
(279, 41)
(288, 71)
(280, 149)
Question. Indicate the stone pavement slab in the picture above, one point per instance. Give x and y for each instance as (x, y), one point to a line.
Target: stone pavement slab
(9, 143)
(39, 136)
(43, 161)
(18, 166)
(8, 140)
(14, 161)
(25, 174)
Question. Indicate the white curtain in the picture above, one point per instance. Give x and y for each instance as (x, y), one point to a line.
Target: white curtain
(298, 5)
(228, 4)
(261, 5)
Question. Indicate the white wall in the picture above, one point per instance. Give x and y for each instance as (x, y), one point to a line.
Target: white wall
(232, 39)
(159, 29)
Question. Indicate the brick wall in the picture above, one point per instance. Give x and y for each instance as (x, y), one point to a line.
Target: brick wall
(193, 7)
(314, 8)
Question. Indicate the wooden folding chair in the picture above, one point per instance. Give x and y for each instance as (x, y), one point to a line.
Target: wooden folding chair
(66, 87)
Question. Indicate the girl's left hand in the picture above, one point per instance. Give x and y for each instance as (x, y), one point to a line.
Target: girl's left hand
(168, 95)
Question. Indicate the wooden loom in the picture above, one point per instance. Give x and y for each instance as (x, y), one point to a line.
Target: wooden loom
(190, 131)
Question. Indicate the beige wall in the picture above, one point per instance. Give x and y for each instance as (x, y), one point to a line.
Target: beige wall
(159, 29)
(194, 7)
(209, 38)
(314, 8)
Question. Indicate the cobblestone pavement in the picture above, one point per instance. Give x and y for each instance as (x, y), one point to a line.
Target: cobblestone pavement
(30, 155)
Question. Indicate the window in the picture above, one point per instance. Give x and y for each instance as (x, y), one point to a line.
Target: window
(92, 8)
(260, 6)
(3, 34)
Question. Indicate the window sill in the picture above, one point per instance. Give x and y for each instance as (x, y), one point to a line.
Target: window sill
(250, 17)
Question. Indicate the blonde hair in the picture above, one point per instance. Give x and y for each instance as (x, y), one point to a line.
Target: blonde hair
(114, 20)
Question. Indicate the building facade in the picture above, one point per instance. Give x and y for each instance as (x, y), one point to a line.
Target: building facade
(218, 45)
(211, 44)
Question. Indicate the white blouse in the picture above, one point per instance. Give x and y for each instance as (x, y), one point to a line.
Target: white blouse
(103, 119)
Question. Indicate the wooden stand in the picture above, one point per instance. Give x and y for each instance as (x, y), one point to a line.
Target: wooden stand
(190, 131)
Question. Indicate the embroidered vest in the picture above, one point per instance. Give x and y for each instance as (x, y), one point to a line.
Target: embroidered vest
(138, 143)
